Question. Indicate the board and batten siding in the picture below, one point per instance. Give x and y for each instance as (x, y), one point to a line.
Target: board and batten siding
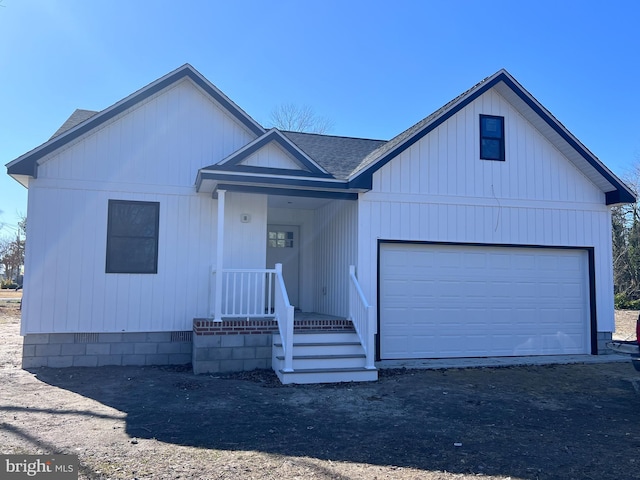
(151, 152)
(245, 243)
(161, 141)
(67, 289)
(336, 249)
(439, 190)
(271, 156)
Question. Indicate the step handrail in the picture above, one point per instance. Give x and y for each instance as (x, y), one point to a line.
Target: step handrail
(284, 313)
(362, 316)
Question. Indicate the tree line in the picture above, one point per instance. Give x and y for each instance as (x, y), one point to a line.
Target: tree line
(625, 223)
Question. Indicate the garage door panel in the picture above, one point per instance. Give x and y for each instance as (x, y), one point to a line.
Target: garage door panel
(458, 301)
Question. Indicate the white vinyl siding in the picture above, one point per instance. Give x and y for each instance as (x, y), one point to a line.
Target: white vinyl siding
(438, 190)
(244, 242)
(67, 289)
(336, 241)
(161, 141)
(151, 152)
(271, 156)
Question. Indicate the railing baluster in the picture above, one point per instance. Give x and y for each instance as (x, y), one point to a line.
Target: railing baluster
(225, 306)
(246, 293)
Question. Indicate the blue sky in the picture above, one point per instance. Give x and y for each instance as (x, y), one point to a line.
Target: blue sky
(373, 67)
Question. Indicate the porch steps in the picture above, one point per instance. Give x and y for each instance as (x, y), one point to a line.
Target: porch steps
(323, 357)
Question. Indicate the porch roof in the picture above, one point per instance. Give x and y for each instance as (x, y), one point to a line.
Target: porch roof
(316, 166)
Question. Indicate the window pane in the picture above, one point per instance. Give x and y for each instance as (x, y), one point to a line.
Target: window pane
(491, 127)
(132, 237)
(133, 219)
(490, 149)
(132, 255)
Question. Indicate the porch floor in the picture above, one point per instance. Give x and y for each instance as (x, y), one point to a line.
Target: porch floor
(298, 315)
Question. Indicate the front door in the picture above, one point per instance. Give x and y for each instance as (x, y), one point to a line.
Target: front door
(283, 246)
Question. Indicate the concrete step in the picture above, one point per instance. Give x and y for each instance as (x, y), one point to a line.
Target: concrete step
(324, 375)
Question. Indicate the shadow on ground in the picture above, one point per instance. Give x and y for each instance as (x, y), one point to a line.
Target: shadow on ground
(575, 421)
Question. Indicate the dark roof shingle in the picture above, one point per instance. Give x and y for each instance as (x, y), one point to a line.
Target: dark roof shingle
(337, 155)
(76, 118)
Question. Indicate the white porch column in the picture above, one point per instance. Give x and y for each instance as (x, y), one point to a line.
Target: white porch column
(217, 317)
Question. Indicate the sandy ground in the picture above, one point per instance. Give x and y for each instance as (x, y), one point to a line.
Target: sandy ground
(554, 422)
(10, 294)
(625, 325)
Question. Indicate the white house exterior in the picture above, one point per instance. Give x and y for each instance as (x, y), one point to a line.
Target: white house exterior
(157, 227)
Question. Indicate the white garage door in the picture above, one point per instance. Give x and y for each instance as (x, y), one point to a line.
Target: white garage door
(440, 301)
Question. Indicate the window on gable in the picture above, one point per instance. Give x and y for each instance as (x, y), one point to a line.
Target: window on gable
(491, 137)
(132, 237)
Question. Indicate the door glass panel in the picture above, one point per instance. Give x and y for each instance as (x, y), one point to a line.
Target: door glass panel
(280, 239)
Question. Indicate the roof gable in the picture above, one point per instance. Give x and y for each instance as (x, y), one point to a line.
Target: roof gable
(298, 161)
(615, 190)
(27, 163)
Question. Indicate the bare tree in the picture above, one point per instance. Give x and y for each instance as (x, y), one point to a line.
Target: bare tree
(626, 246)
(294, 118)
(12, 252)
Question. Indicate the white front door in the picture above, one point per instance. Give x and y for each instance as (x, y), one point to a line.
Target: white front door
(283, 246)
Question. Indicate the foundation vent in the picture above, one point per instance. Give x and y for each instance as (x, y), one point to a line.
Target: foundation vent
(85, 338)
(181, 336)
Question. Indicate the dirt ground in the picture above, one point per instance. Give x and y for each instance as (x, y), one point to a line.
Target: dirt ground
(553, 422)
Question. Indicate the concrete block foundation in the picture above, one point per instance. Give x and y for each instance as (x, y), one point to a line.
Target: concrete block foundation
(60, 350)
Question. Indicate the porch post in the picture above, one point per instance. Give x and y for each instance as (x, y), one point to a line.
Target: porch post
(217, 317)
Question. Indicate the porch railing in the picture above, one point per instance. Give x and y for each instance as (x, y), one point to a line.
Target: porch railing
(255, 293)
(243, 293)
(361, 315)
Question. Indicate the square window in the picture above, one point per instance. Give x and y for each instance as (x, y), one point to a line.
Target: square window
(132, 237)
(492, 138)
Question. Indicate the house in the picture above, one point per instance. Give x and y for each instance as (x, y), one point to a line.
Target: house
(172, 228)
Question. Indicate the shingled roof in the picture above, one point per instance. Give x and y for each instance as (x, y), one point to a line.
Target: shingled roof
(350, 161)
(337, 155)
(76, 118)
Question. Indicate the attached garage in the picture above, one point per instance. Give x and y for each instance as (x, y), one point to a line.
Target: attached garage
(459, 300)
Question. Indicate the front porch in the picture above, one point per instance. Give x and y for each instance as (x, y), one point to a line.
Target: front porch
(306, 239)
(254, 326)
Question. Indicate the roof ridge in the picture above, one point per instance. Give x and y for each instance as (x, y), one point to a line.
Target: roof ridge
(333, 136)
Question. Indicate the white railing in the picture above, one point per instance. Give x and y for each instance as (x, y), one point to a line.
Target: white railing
(284, 317)
(260, 293)
(361, 315)
(243, 293)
